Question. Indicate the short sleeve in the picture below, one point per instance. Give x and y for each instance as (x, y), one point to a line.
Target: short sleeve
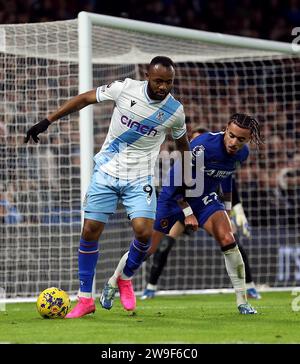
(110, 92)
(179, 127)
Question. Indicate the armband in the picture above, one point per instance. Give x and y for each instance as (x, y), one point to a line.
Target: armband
(228, 205)
(187, 211)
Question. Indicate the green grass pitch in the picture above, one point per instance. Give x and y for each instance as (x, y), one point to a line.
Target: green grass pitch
(166, 319)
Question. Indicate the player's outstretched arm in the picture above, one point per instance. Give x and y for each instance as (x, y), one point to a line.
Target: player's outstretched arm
(74, 104)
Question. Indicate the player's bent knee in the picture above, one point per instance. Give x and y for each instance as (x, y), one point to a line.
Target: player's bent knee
(143, 236)
(227, 239)
(143, 232)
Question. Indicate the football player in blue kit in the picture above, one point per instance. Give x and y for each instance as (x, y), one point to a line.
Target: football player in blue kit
(240, 226)
(223, 152)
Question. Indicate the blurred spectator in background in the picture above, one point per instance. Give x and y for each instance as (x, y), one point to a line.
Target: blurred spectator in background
(209, 91)
(245, 17)
(289, 188)
(9, 213)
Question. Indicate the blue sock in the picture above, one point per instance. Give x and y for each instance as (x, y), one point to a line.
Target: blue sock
(87, 260)
(137, 253)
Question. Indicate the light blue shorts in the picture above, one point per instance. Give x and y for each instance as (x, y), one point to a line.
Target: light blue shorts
(105, 191)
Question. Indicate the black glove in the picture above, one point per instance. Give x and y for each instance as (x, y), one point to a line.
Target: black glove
(36, 129)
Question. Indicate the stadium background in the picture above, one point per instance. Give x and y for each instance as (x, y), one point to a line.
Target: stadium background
(270, 19)
(270, 187)
(246, 17)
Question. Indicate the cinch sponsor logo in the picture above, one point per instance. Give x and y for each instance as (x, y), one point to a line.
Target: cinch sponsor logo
(140, 128)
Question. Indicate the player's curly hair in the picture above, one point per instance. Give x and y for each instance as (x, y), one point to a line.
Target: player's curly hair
(248, 122)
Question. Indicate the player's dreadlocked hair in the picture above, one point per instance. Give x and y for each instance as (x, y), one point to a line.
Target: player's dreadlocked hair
(248, 122)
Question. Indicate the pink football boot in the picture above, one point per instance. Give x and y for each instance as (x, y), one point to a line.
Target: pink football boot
(83, 307)
(127, 295)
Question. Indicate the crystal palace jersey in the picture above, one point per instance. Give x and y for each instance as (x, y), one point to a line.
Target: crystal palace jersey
(137, 129)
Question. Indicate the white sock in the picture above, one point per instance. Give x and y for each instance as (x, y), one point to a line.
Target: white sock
(124, 276)
(153, 287)
(119, 271)
(85, 294)
(236, 270)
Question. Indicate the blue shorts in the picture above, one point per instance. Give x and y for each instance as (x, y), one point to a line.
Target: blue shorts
(105, 191)
(168, 212)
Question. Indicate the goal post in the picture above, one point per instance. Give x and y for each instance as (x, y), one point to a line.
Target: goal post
(85, 22)
(86, 18)
(42, 186)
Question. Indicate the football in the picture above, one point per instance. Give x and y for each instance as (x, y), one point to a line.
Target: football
(53, 303)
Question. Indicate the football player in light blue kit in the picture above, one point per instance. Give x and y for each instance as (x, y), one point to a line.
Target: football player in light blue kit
(144, 112)
(223, 152)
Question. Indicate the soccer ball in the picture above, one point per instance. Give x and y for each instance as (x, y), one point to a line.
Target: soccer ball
(53, 303)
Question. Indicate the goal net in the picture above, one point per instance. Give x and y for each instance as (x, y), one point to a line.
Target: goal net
(40, 187)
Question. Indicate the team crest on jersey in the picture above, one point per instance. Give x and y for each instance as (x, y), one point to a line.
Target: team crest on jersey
(148, 189)
(160, 116)
(164, 223)
(198, 150)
